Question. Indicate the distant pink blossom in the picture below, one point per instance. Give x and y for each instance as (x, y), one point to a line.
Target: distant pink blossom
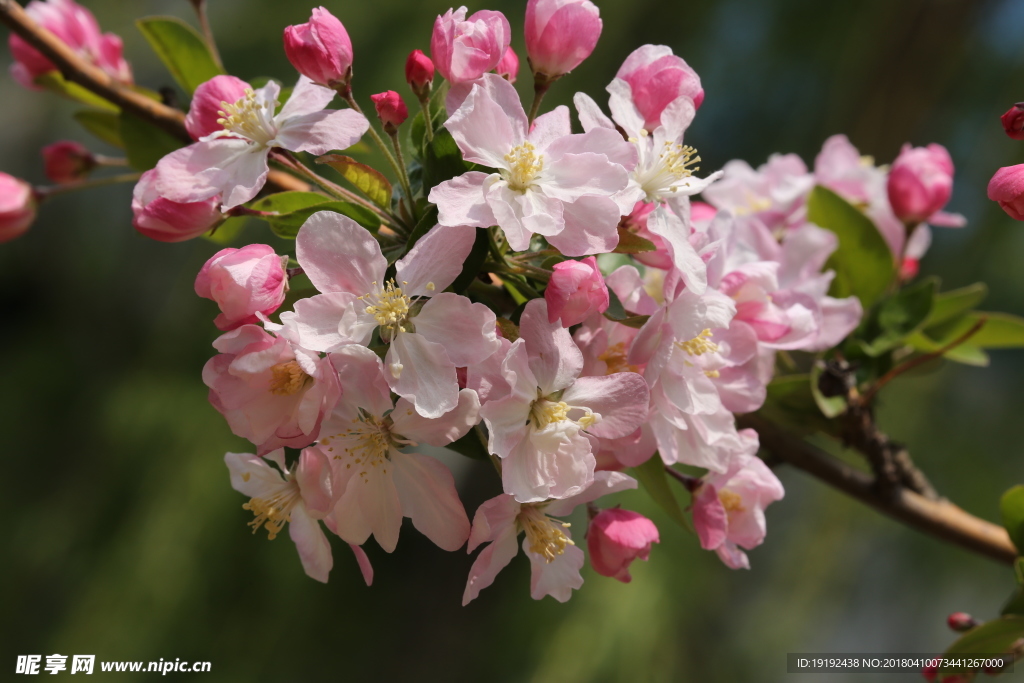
(1007, 188)
(920, 182)
(560, 34)
(463, 49)
(244, 282)
(17, 207)
(615, 538)
(575, 291)
(657, 78)
(67, 161)
(1013, 121)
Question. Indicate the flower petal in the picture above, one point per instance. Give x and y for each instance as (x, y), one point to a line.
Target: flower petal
(313, 546)
(420, 371)
(427, 491)
(322, 131)
(339, 255)
(621, 399)
(435, 260)
(465, 329)
(554, 358)
(440, 431)
(557, 578)
(460, 201)
(489, 562)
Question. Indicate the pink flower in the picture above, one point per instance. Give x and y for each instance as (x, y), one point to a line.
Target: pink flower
(728, 509)
(419, 72)
(167, 221)
(205, 113)
(77, 27)
(270, 390)
(1013, 121)
(465, 49)
(656, 79)
(540, 428)
(615, 538)
(508, 67)
(560, 34)
(17, 207)
(429, 332)
(232, 161)
(376, 483)
(391, 110)
(67, 161)
(555, 561)
(244, 282)
(1007, 188)
(546, 181)
(920, 182)
(320, 49)
(775, 193)
(576, 290)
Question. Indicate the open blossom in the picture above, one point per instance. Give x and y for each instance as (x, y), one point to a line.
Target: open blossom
(77, 27)
(376, 483)
(728, 508)
(657, 78)
(575, 291)
(465, 49)
(320, 49)
(540, 428)
(164, 220)
(775, 193)
(430, 332)
(271, 391)
(920, 182)
(615, 538)
(244, 282)
(232, 161)
(17, 207)
(546, 181)
(560, 34)
(555, 561)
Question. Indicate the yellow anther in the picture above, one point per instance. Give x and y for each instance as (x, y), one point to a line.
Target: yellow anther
(274, 511)
(524, 165)
(544, 535)
(699, 345)
(679, 158)
(249, 119)
(430, 287)
(614, 358)
(287, 378)
(369, 442)
(713, 374)
(389, 305)
(731, 501)
(546, 412)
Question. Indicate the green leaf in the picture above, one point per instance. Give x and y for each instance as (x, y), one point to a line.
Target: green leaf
(991, 638)
(509, 330)
(426, 222)
(228, 231)
(956, 302)
(632, 243)
(473, 262)
(366, 179)
(790, 403)
(182, 50)
(54, 82)
(898, 316)
(103, 123)
(617, 313)
(442, 160)
(470, 446)
(144, 143)
(438, 115)
(966, 353)
(1001, 330)
(655, 481)
(830, 406)
(294, 208)
(1011, 505)
(1015, 605)
(863, 263)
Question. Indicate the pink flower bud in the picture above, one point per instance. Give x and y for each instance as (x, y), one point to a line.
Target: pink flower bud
(67, 161)
(391, 110)
(508, 67)
(243, 282)
(167, 221)
(617, 537)
(1013, 121)
(17, 207)
(920, 182)
(208, 102)
(1007, 188)
(560, 34)
(320, 49)
(465, 49)
(657, 78)
(77, 27)
(419, 72)
(961, 621)
(576, 290)
(930, 673)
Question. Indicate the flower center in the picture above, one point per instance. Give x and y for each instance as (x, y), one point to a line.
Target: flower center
(731, 501)
(287, 378)
(614, 358)
(273, 512)
(662, 174)
(545, 412)
(249, 118)
(699, 345)
(524, 165)
(388, 304)
(544, 534)
(367, 444)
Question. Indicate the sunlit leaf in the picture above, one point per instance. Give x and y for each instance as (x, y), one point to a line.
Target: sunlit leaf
(294, 208)
(144, 143)
(103, 123)
(956, 302)
(366, 179)
(632, 243)
(652, 476)
(182, 50)
(54, 82)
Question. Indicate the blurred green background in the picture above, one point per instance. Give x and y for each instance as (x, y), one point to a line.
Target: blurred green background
(123, 538)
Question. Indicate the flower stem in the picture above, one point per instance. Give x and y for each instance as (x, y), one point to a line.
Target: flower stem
(428, 124)
(204, 24)
(51, 190)
(539, 90)
(403, 177)
(377, 139)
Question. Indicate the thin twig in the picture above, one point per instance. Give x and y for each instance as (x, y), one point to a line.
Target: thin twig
(204, 24)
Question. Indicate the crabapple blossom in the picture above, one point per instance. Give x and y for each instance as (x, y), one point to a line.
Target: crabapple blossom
(270, 390)
(430, 332)
(1007, 188)
(547, 181)
(464, 49)
(555, 561)
(560, 34)
(576, 290)
(541, 428)
(17, 207)
(320, 49)
(77, 28)
(508, 67)
(206, 111)
(244, 282)
(1013, 121)
(376, 483)
(920, 182)
(232, 161)
(164, 220)
(657, 79)
(67, 161)
(775, 193)
(419, 72)
(615, 538)
(391, 110)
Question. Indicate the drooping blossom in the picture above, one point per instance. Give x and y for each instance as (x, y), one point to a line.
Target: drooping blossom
(547, 181)
(920, 184)
(430, 332)
(464, 49)
(508, 67)
(657, 79)
(17, 207)
(555, 561)
(575, 291)
(376, 483)
(320, 49)
(232, 161)
(244, 282)
(615, 538)
(67, 161)
(77, 28)
(270, 390)
(1007, 188)
(540, 428)
(164, 220)
(1013, 121)
(560, 34)
(728, 508)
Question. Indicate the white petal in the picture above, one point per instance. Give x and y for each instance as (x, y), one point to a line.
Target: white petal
(339, 255)
(440, 431)
(427, 491)
(419, 370)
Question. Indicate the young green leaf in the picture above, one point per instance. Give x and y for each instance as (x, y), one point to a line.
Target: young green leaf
(955, 303)
(144, 143)
(366, 179)
(830, 406)
(790, 403)
(898, 316)
(442, 160)
(294, 208)
(1011, 505)
(54, 82)
(182, 50)
(103, 123)
(991, 638)
(632, 243)
(652, 475)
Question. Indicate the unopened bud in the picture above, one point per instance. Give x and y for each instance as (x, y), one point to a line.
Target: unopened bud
(508, 67)
(67, 161)
(419, 73)
(1013, 121)
(961, 621)
(320, 49)
(17, 207)
(391, 110)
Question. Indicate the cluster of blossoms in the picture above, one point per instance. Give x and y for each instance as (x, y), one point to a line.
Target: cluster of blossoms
(581, 371)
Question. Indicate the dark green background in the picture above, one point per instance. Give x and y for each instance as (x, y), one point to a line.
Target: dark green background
(122, 537)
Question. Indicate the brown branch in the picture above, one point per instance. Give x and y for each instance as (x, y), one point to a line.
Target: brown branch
(938, 518)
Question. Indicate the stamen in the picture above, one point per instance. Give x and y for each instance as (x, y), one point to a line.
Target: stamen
(389, 305)
(614, 358)
(545, 535)
(546, 412)
(699, 345)
(273, 512)
(249, 118)
(369, 441)
(524, 165)
(287, 378)
(731, 501)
